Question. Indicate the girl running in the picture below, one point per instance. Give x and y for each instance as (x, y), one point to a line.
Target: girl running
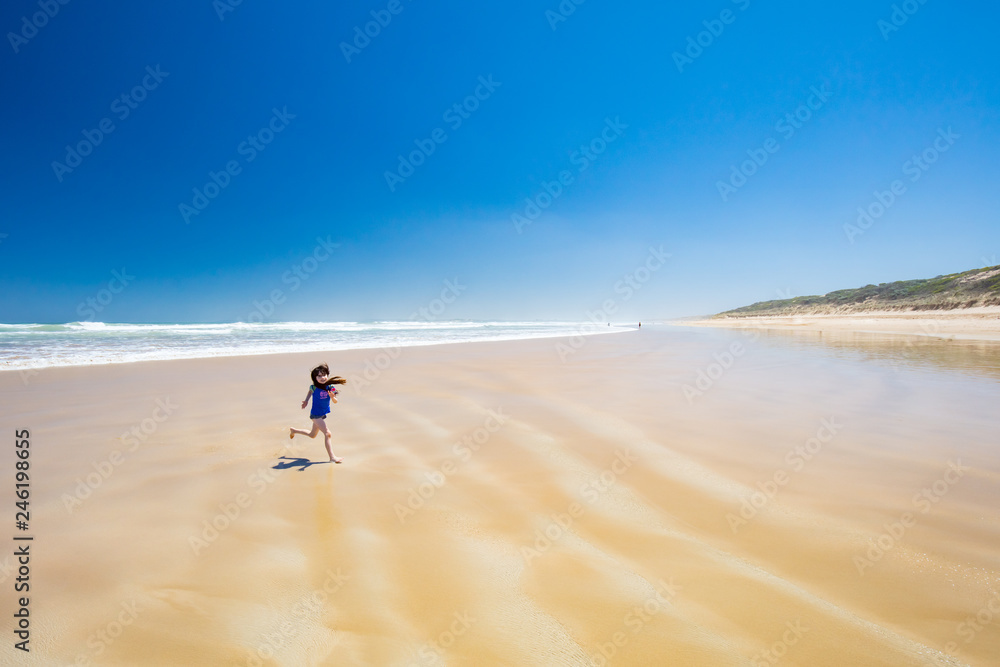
(322, 392)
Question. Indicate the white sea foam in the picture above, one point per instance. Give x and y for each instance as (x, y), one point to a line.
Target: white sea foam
(28, 346)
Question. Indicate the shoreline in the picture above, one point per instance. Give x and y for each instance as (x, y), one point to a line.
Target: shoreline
(582, 330)
(981, 323)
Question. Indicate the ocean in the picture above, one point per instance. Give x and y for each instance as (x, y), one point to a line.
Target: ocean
(30, 346)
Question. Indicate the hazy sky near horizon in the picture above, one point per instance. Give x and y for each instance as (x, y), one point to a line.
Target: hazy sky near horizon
(618, 121)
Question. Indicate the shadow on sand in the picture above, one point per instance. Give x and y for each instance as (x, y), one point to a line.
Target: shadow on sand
(296, 462)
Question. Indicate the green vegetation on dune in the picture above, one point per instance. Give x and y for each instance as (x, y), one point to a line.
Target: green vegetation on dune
(979, 287)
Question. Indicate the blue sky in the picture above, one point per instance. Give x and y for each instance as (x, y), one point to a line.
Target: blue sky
(556, 86)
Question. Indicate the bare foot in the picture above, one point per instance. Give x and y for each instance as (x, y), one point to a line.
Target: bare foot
(291, 434)
(336, 460)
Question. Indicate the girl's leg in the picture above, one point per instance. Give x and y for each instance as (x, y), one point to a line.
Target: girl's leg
(329, 450)
(311, 434)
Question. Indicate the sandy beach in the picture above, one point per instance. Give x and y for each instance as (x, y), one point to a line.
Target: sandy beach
(668, 496)
(977, 323)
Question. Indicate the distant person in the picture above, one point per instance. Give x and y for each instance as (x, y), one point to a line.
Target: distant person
(321, 392)
(640, 325)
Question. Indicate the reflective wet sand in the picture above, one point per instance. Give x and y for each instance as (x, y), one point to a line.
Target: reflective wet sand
(667, 496)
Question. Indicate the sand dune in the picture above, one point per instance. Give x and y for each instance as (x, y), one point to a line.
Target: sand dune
(499, 506)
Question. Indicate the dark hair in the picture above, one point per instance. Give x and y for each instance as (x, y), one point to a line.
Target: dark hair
(325, 370)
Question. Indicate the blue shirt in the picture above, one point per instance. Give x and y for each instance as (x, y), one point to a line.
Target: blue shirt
(321, 402)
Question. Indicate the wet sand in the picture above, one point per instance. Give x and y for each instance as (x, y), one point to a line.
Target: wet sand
(669, 496)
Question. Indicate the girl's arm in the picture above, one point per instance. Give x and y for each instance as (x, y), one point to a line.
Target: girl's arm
(308, 396)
